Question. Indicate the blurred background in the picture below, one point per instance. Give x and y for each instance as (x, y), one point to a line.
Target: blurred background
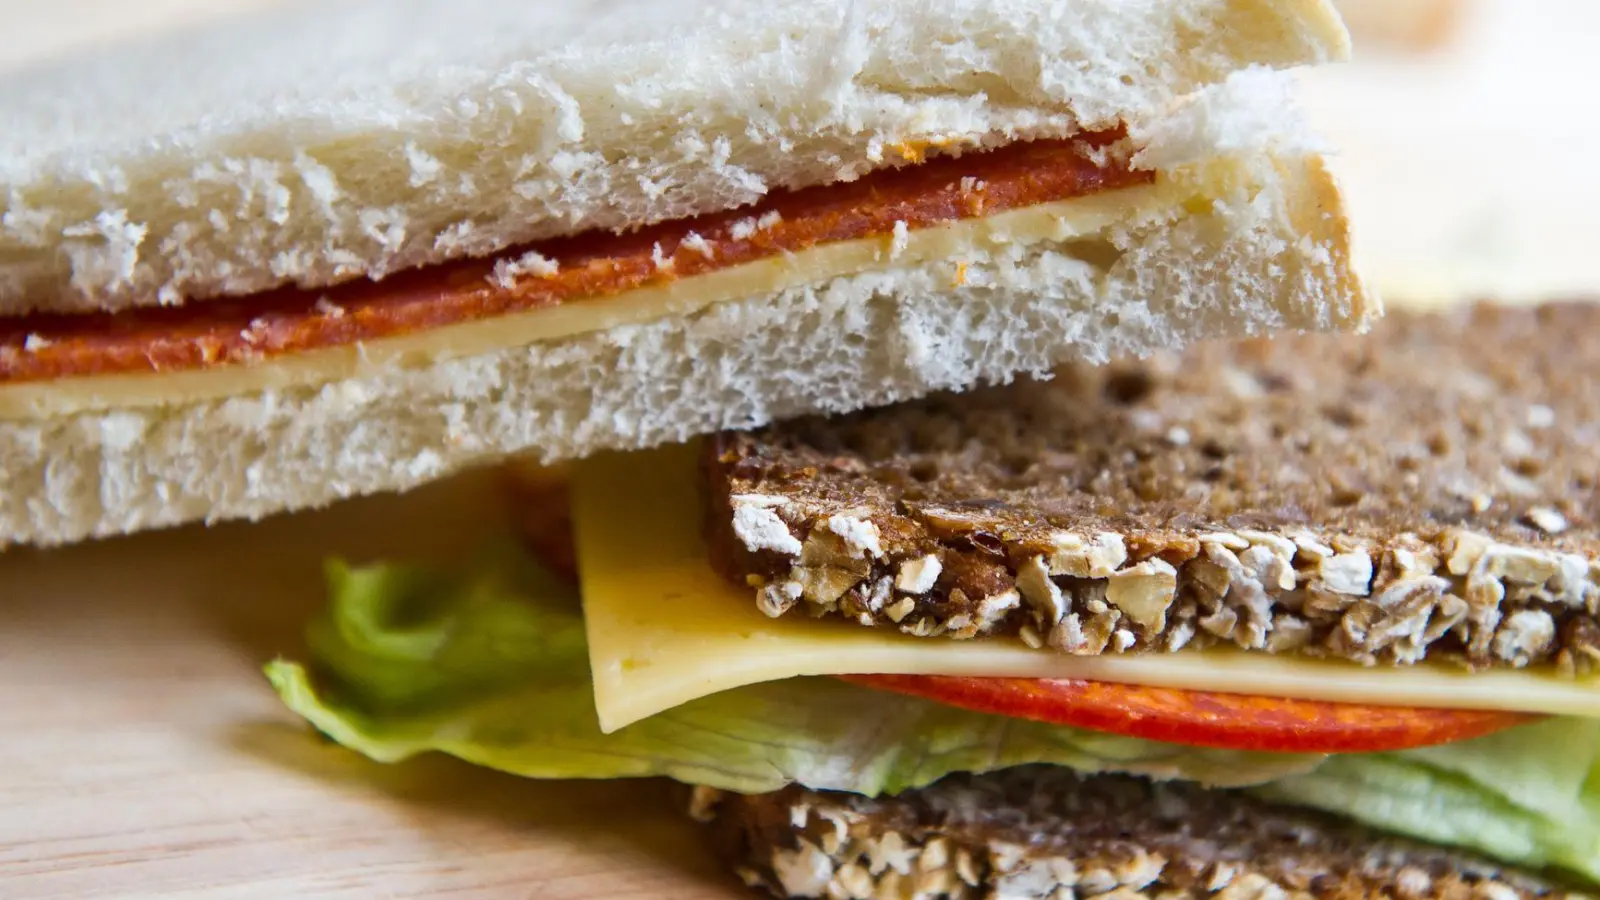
(32, 30)
(1465, 131)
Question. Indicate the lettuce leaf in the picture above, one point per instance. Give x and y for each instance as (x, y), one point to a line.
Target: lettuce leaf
(488, 663)
(1528, 795)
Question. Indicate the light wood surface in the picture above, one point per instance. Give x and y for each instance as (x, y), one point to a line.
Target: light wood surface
(143, 755)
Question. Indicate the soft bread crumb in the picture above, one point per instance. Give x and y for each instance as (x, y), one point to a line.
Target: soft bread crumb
(661, 261)
(899, 240)
(507, 271)
(700, 245)
(326, 307)
(1252, 108)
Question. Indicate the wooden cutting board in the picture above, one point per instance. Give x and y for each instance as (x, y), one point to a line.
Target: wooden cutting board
(143, 755)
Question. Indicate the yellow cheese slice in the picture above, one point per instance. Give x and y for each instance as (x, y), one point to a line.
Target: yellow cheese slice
(664, 629)
(1078, 219)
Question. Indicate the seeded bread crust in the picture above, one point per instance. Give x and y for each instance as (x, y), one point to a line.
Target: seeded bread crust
(1047, 833)
(1427, 491)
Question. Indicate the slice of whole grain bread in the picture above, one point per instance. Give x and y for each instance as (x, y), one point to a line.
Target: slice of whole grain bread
(1045, 832)
(1425, 491)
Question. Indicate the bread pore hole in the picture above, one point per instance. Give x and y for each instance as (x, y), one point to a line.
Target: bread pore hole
(1098, 253)
(1129, 387)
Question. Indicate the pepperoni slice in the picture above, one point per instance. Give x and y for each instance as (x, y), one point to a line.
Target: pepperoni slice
(1203, 718)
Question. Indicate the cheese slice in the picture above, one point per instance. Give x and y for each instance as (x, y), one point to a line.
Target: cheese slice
(665, 629)
(1078, 219)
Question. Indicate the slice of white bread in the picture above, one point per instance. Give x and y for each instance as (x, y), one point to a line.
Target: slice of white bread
(1261, 245)
(354, 140)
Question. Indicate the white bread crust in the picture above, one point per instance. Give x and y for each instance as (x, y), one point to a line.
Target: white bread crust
(1271, 254)
(355, 140)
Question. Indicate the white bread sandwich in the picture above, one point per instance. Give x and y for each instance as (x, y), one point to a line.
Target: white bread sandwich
(1311, 617)
(356, 247)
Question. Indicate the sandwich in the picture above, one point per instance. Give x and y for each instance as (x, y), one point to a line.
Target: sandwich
(1312, 616)
(358, 247)
(1300, 617)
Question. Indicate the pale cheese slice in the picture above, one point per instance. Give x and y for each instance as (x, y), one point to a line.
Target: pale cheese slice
(664, 629)
(1081, 218)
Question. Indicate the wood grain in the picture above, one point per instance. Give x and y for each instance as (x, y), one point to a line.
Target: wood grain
(142, 754)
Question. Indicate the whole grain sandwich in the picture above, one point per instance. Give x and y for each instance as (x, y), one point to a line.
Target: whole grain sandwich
(356, 247)
(1306, 617)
